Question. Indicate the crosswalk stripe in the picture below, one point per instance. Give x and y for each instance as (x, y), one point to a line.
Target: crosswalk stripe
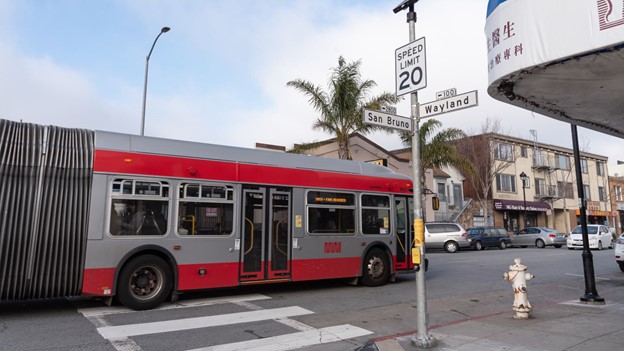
(116, 332)
(102, 311)
(293, 341)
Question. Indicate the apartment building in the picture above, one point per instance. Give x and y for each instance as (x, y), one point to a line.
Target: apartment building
(616, 184)
(534, 184)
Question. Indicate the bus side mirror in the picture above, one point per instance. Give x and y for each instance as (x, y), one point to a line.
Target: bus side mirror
(435, 203)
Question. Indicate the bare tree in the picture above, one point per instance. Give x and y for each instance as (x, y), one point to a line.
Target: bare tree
(488, 161)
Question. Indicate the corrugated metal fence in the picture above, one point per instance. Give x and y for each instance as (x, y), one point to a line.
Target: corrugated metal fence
(45, 184)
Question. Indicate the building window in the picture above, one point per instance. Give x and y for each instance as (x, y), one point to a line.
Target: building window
(442, 192)
(602, 194)
(618, 192)
(538, 158)
(600, 168)
(523, 151)
(540, 186)
(562, 162)
(503, 151)
(506, 183)
(586, 192)
(565, 189)
(584, 166)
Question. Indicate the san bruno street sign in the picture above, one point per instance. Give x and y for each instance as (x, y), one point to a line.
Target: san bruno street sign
(410, 67)
(387, 120)
(453, 103)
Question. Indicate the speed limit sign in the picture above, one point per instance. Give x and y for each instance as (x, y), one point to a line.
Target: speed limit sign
(410, 67)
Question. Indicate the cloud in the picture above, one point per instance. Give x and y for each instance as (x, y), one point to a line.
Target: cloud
(221, 75)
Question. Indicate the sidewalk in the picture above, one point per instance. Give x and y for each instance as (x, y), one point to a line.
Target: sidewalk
(558, 325)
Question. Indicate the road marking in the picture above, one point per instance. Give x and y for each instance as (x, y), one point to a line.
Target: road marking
(125, 344)
(293, 341)
(286, 321)
(295, 324)
(117, 332)
(102, 311)
(582, 276)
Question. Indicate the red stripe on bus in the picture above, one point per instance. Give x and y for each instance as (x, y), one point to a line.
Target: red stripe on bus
(217, 275)
(108, 161)
(98, 281)
(328, 268)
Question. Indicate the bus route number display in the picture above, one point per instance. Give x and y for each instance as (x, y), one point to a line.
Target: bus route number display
(410, 66)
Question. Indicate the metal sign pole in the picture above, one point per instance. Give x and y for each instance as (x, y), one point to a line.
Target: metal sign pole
(422, 338)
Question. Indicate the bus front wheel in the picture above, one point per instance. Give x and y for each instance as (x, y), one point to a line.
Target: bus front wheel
(376, 268)
(144, 283)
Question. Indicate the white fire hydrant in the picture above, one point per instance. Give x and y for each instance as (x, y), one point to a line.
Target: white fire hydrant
(518, 276)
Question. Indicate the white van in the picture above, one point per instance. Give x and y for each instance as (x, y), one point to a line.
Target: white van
(446, 235)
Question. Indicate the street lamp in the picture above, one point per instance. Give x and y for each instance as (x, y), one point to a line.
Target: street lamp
(163, 30)
(524, 178)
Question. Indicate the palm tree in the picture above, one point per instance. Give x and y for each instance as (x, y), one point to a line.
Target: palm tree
(438, 150)
(341, 107)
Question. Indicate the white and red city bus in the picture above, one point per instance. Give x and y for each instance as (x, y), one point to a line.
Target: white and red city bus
(144, 219)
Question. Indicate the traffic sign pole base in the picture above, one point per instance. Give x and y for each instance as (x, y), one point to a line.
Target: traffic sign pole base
(423, 342)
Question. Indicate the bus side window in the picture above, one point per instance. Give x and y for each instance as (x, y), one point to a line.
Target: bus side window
(205, 209)
(140, 209)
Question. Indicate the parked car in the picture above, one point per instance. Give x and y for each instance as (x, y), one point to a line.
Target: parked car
(599, 237)
(538, 236)
(483, 237)
(445, 235)
(619, 252)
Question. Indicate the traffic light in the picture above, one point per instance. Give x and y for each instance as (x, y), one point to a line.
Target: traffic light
(435, 203)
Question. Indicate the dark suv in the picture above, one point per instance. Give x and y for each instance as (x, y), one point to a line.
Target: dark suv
(482, 237)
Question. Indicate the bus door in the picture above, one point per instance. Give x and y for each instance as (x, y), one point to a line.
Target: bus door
(265, 247)
(404, 232)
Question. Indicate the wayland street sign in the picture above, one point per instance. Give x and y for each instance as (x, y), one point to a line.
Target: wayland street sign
(387, 120)
(452, 103)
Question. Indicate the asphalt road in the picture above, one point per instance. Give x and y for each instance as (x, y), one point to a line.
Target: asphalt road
(329, 315)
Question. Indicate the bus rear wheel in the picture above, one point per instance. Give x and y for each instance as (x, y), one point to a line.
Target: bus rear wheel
(376, 268)
(144, 283)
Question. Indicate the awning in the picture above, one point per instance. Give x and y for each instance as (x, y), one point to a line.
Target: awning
(560, 58)
(516, 205)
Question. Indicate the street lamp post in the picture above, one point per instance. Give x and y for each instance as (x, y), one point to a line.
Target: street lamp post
(163, 30)
(524, 178)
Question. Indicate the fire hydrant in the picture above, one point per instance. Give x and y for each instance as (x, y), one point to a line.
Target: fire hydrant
(518, 276)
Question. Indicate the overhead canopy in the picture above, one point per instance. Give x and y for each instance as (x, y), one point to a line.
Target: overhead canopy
(560, 58)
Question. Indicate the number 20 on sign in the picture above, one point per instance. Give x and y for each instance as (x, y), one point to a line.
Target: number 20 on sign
(410, 67)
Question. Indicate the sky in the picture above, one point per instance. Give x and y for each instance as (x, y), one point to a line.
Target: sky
(219, 75)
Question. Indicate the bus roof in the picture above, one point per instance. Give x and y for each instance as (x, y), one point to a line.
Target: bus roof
(161, 146)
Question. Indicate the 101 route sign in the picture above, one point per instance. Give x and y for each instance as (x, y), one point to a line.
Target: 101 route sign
(410, 67)
(387, 120)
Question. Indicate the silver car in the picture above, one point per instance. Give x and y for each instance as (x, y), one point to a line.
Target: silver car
(445, 235)
(538, 236)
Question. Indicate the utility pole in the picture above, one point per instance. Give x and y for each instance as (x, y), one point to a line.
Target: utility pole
(422, 338)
